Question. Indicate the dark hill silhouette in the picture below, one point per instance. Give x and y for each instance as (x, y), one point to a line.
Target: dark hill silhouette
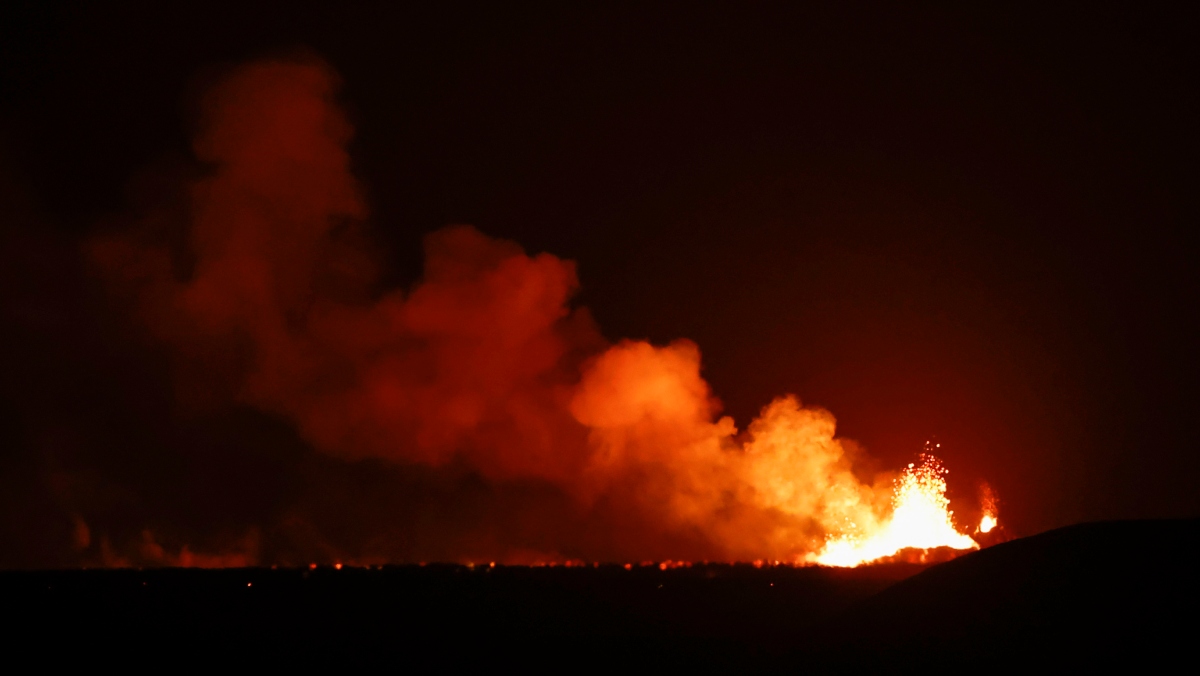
(1082, 593)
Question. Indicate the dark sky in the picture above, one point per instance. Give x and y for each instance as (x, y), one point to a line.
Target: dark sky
(967, 224)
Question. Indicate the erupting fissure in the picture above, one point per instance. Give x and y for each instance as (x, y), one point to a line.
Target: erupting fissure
(483, 364)
(921, 519)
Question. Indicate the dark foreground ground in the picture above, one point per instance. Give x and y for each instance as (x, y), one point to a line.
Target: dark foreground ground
(1078, 595)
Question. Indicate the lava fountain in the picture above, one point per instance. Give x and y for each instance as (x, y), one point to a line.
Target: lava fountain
(920, 519)
(987, 498)
(987, 523)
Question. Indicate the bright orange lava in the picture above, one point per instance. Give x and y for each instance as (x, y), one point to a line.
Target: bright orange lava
(990, 512)
(987, 523)
(920, 519)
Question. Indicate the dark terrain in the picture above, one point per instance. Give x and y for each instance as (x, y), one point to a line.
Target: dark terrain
(1079, 593)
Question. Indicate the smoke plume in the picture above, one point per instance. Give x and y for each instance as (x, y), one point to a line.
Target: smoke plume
(481, 385)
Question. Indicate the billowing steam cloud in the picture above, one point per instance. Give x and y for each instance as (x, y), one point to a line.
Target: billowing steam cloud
(272, 301)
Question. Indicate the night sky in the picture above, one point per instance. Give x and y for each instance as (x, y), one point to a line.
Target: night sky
(960, 225)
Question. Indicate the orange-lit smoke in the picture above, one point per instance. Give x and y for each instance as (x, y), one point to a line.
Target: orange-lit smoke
(151, 553)
(273, 301)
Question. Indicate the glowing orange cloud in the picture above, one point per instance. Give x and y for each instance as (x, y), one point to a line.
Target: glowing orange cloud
(483, 361)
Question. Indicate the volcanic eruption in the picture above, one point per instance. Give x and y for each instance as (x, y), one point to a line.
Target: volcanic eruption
(272, 299)
(920, 519)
